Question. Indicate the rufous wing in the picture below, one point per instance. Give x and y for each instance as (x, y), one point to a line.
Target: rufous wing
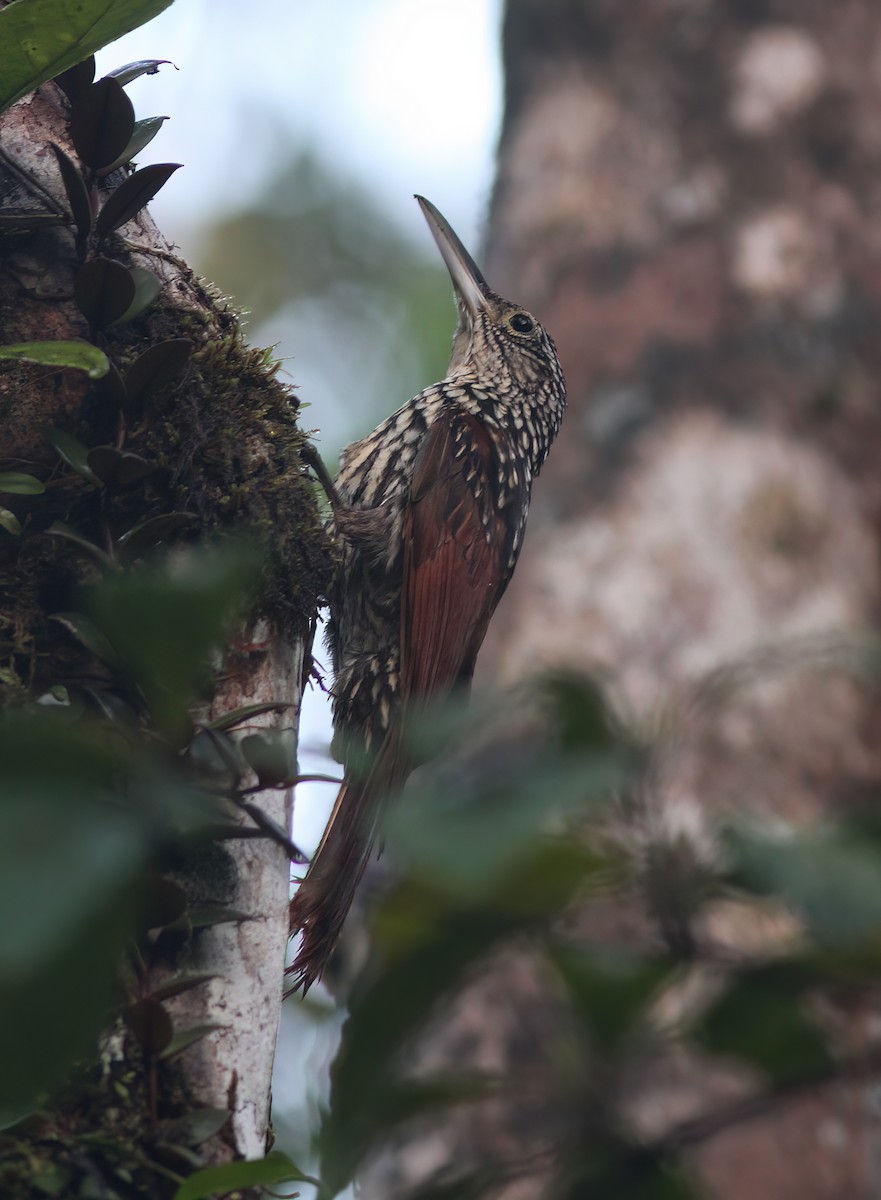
(457, 547)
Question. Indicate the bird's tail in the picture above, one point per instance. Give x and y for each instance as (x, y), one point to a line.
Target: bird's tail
(323, 899)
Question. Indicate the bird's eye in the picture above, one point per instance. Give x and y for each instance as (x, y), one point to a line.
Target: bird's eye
(521, 323)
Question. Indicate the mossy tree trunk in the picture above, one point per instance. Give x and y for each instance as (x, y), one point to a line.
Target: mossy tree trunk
(217, 441)
(687, 196)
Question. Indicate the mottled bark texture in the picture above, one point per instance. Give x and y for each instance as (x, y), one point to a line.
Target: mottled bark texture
(688, 197)
(225, 438)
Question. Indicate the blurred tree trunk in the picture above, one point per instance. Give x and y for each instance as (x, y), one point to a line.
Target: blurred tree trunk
(222, 440)
(688, 197)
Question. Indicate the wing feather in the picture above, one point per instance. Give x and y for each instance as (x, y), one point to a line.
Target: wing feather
(456, 551)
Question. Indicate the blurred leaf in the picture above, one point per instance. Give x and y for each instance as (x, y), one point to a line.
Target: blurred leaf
(118, 468)
(76, 190)
(132, 195)
(387, 1013)
(101, 122)
(10, 522)
(609, 992)
(134, 70)
(164, 622)
(761, 1020)
(15, 483)
(70, 849)
(151, 1026)
(459, 1185)
(162, 901)
(61, 354)
(104, 290)
(272, 755)
(155, 368)
(41, 38)
(464, 828)
(580, 714)
(831, 877)
(211, 1181)
(625, 1172)
(147, 288)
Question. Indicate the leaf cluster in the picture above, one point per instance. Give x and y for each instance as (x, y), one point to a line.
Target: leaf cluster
(504, 860)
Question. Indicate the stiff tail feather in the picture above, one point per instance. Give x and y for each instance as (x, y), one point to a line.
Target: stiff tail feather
(323, 899)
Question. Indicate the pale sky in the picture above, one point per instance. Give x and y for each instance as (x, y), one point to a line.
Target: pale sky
(406, 93)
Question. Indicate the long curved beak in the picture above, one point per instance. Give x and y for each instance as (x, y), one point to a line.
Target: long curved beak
(472, 290)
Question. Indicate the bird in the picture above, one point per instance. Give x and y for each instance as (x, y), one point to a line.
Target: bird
(428, 514)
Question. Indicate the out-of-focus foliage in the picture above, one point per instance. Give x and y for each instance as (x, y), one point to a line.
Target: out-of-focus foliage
(316, 259)
(91, 790)
(502, 850)
(107, 785)
(41, 38)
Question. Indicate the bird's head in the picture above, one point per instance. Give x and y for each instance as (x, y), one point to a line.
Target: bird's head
(494, 338)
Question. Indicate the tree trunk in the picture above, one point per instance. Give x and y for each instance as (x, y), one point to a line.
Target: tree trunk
(223, 437)
(687, 197)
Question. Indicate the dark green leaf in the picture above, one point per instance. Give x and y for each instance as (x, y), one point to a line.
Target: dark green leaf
(150, 1024)
(41, 38)
(61, 354)
(130, 197)
(103, 290)
(76, 79)
(69, 851)
(625, 1172)
(609, 992)
(182, 1039)
(77, 192)
(142, 135)
(133, 70)
(88, 634)
(118, 468)
(111, 388)
(74, 453)
(151, 533)
(58, 529)
(10, 522)
(211, 1181)
(580, 714)
(101, 122)
(155, 368)
(165, 621)
(147, 288)
(17, 484)
(761, 1019)
(272, 755)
